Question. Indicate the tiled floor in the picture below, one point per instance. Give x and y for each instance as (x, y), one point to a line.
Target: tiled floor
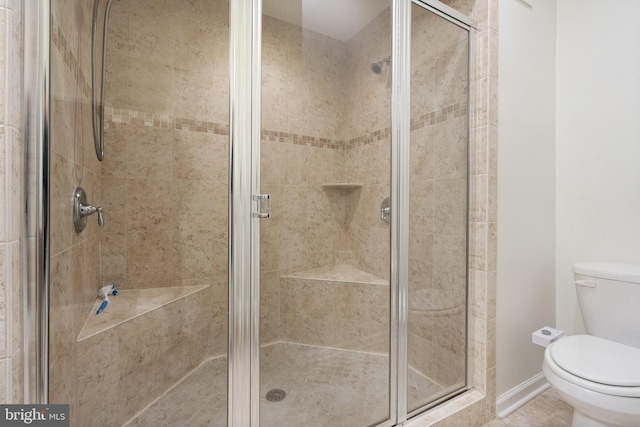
(546, 410)
(325, 387)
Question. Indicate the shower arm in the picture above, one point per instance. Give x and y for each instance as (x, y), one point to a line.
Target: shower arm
(97, 110)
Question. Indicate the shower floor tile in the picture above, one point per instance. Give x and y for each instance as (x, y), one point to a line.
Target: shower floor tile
(323, 386)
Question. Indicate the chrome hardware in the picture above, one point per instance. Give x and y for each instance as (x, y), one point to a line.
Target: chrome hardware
(81, 210)
(385, 210)
(264, 205)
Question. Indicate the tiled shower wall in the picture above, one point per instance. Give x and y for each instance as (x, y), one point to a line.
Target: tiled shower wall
(75, 264)
(164, 174)
(187, 101)
(11, 194)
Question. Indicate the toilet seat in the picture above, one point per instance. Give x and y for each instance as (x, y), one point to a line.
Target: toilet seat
(596, 364)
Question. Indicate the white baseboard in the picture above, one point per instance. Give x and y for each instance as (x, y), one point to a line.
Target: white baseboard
(521, 394)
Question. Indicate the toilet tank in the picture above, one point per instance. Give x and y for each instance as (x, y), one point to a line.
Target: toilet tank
(609, 298)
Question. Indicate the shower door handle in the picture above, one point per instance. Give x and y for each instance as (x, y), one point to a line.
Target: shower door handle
(264, 206)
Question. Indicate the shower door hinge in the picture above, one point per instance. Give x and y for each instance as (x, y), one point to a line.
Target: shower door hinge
(264, 205)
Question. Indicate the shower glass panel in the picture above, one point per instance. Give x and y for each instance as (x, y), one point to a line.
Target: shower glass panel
(437, 208)
(325, 251)
(163, 188)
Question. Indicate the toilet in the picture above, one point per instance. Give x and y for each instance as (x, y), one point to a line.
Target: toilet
(599, 373)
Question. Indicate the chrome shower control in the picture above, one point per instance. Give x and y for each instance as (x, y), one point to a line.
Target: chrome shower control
(81, 210)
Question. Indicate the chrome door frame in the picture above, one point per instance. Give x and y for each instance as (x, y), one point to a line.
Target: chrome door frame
(244, 268)
(400, 138)
(400, 173)
(36, 235)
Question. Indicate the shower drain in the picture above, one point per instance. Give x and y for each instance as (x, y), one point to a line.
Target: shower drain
(276, 395)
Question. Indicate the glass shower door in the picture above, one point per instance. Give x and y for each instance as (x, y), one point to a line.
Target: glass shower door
(325, 251)
(436, 341)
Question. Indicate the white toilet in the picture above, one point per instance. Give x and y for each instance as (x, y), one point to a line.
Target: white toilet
(599, 374)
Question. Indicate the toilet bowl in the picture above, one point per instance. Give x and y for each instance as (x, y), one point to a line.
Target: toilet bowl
(599, 378)
(599, 373)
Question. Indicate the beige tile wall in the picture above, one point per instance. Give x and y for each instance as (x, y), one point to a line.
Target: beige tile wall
(11, 196)
(165, 174)
(102, 376)
(368, 161)
(74, 261)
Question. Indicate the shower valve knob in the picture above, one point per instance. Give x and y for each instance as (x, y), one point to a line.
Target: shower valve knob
(81, 210)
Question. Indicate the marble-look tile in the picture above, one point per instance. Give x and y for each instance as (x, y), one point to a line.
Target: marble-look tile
(195, 92)
(114, 204)
(450, 148)
(269, 307)
(420, 261)
(148, 205)
(191, 254)
(293, 249)
(199, 156)
(113, 259)
(325, 240)
(149, 152)
(307, 329)
(307, 297)
(450, 212)
(449, 264)
(198, 205)
(148, 259)
(98, 375)
(115, 142)
(422, 206)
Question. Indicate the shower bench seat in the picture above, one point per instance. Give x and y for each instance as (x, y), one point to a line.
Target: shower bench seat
(130, 304)
(339, 306)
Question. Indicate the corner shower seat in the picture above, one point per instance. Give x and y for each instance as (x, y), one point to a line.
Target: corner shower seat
(130, 304)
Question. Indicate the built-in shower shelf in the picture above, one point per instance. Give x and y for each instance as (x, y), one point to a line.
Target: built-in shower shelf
(129, 304)
(343, 185)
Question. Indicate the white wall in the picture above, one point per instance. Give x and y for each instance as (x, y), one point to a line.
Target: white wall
(598, 141)
(526, 187)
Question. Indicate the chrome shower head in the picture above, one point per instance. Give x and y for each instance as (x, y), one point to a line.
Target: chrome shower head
(376, 67)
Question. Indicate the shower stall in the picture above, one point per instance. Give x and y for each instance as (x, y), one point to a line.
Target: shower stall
(285, 193)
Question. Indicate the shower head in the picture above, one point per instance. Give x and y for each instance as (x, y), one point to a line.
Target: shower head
(376, 67)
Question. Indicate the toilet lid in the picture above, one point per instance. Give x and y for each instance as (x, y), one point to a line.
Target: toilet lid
(598, 360)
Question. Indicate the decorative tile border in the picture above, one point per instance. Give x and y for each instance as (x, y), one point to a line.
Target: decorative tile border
(270, 135)
(369, 138)
(138, 118)
(60, 41)
(446, 113)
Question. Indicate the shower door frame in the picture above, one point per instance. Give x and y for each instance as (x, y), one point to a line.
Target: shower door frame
(245, 58)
